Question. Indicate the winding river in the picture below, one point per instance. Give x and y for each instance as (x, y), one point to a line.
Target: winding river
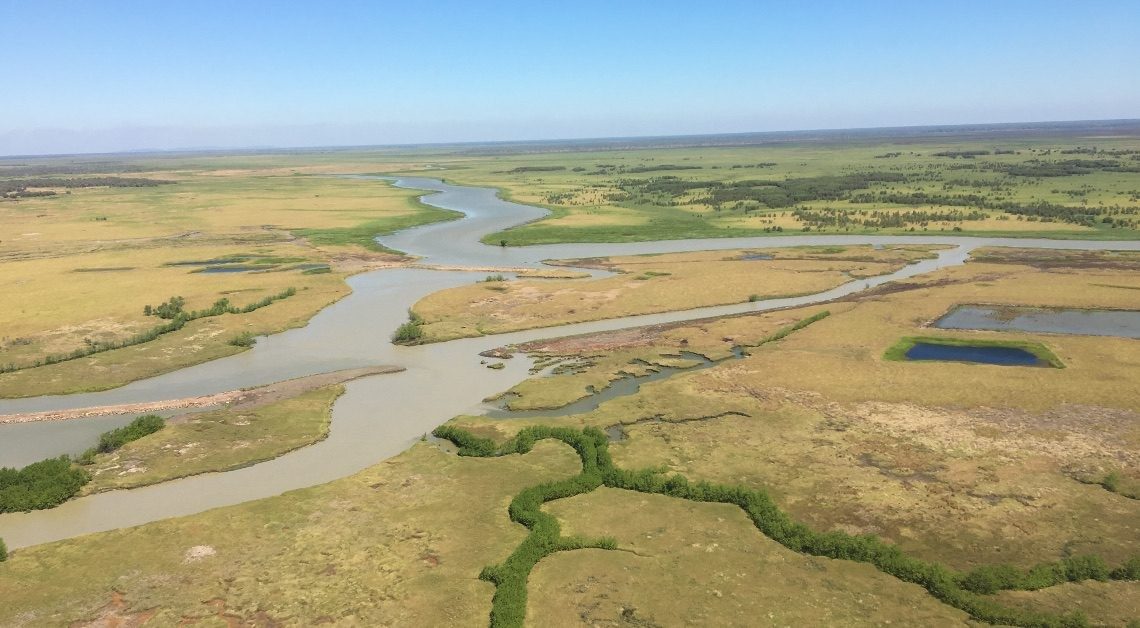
(380, 416)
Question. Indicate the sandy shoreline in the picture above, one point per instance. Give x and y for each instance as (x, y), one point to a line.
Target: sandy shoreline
(249, 397)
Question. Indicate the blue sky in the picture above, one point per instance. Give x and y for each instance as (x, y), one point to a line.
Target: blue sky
(121, 75)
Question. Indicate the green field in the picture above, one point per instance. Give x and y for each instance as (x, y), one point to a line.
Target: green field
(1085, 188)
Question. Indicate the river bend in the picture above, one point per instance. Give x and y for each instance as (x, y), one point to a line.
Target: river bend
(380, 416)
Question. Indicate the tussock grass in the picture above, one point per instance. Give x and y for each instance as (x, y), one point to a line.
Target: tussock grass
(961, 591)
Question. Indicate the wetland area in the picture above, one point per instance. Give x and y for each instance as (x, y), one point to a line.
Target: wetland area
(765, 398)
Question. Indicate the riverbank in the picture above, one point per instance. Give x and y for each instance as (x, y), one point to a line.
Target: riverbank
(234, 399)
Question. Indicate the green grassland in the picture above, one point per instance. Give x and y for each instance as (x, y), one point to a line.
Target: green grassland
(1063, 188)
(216, 441)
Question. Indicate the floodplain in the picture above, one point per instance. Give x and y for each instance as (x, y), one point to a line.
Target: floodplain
(773, 467)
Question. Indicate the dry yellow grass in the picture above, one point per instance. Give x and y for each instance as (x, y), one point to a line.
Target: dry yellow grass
(208, 203)
(1110, 603)
(217, 440)
(78, 268)
(57, 301)
(649, 284)
(963, 464)
(400, 543)
(199, 341)
(685, 563)
(841, 358)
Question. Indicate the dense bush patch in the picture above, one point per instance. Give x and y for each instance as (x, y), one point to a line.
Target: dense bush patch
(962, 591)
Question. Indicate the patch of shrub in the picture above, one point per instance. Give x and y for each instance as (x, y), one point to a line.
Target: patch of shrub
(957, 590)
(244, 339)
(169, 309)
(40, 485)
(144, 425)
(411, 332)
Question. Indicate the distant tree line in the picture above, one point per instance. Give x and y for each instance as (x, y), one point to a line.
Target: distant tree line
(961, 154)
(55, 169)
(880, 219)
(609, 169)
(20, 188)
(1063, 168)
(1084, 216)
(522, 169)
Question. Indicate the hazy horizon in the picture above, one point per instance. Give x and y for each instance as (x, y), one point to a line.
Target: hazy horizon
(554, 140)
(136, 76)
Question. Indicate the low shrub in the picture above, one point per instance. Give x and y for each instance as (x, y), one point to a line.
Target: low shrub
(962, 591)
(411, 332)
(110, 441)
(244, 339)
(40, 485)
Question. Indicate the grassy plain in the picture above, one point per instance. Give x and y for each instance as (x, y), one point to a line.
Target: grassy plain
(961, 464)
(79, 267)
(397, 544)
(705, 564)
(965, 465)
(667, 193)
(648, 284)
(217, 440)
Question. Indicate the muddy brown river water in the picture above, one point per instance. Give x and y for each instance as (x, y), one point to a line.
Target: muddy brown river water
(380, 416)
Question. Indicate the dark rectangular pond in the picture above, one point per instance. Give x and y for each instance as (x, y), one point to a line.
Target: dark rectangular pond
(1123, 323)
(1004, 356)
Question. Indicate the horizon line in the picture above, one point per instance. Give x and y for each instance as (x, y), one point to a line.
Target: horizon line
(561, 140)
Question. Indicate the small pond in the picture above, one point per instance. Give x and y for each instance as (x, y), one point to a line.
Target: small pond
(1004, 356)
(1123, 323)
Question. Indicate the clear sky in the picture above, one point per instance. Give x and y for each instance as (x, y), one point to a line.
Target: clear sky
(85, 76)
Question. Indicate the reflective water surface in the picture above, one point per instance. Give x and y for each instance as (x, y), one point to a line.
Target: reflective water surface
(1123, 323)
(1002, 356)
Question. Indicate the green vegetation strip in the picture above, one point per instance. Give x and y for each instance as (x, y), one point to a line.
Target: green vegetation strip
(1113, 482)
(110, 441)
(964, 591)
(171, 310)
(898, 351)
(365, 233)
(49, 483)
